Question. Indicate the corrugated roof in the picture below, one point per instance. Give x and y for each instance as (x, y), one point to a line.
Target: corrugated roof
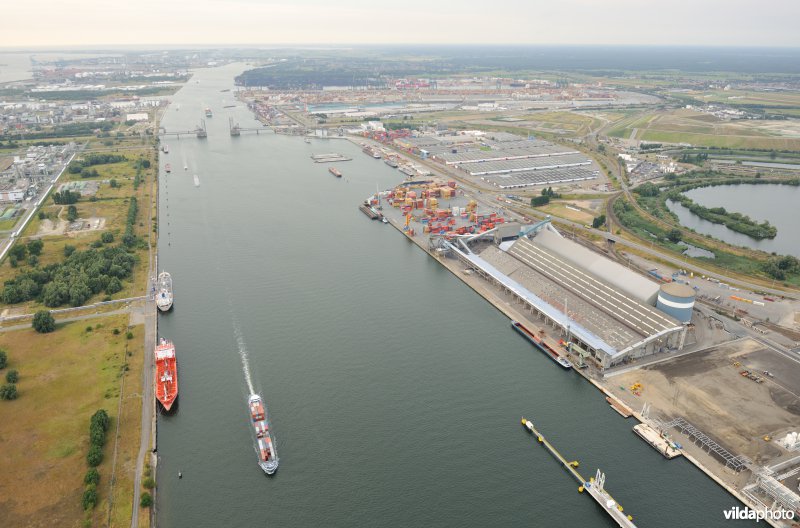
(607, 270)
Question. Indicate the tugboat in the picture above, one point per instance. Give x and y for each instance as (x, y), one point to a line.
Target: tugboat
(164, 297)
(267, 455)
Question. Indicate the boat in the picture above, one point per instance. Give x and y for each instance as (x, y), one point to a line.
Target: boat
(541, 345)
(307, 140)
(335, 172)
(168, 167)
(185, 166)
(267, 454)
(196, 181)
(166, 376)
(164, 296)
(384, 220)
(209, 113)
(390, 162)
(165, 148)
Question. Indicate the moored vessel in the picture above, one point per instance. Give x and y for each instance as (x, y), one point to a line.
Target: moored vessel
(541, 345)
(165, 384)
(267, 455)
(168, 167)
(209, 113)
(164, 296)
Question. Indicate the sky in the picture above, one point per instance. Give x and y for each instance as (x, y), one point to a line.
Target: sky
(42, 23)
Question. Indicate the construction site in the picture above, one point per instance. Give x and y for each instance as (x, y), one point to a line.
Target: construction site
(729, 405)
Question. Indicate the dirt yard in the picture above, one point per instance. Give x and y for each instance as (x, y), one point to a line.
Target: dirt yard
(708, 390)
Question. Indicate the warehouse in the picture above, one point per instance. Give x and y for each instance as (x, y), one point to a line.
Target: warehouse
(516, 180)
(606, 309)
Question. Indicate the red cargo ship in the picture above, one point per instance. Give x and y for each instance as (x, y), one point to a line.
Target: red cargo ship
(166, 377)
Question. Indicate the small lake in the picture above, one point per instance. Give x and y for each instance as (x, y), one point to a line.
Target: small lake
(779, 204)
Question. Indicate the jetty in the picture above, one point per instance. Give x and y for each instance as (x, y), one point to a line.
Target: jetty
(594, 486)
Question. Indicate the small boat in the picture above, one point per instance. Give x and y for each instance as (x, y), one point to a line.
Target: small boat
(307, 140)
(209, 113)
(267, 454)
(541, 345)
(165, 149)
(168, 167)
(196, 181)
(335, 172)
(185, 166)
(384, 220)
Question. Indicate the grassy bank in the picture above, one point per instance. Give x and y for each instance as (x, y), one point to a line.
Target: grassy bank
(65, 376)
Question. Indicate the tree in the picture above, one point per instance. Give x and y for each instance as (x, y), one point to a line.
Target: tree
(12, 376)
(94, 456)
(674, 235)
(35, 247)
(92, 477)
(3, 359)
(100, 419)
(647, 189)
(113, 183)
(19, 251)
(107, 237)
(43, 322)
(68, 250)
(146, 501)
(536, 201)
(8, 392)
(33, 261)
(72, 213)
(90, 497)
(598, 221)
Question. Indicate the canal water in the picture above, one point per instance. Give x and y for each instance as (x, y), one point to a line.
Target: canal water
(775, 203)
(395, 391)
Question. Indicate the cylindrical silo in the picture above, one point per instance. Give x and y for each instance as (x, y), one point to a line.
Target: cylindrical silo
(676, 300)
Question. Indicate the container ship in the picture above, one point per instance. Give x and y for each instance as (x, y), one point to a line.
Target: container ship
(168, 167)
(267, 455)
(335, 172)
(209, 113)
(166, 377)
(164, 297)
(541, 345)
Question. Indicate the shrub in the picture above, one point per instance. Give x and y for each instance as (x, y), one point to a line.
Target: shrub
(107, 237)
(95, 456)
(68, 250)
(149, 483)
(116, 331)
(146, 501)
(12, 376)
(43, 322)
(35, 247)
(129, 335)
(3, 359)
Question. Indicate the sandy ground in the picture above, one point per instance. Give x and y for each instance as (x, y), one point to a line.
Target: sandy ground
(707, 389)
(48, 227)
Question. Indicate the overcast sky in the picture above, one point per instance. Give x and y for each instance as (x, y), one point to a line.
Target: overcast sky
(673, 22)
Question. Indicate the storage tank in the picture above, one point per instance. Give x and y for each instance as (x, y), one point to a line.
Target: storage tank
(676, 300)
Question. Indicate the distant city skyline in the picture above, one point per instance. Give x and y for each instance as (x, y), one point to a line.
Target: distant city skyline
(42, 23)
